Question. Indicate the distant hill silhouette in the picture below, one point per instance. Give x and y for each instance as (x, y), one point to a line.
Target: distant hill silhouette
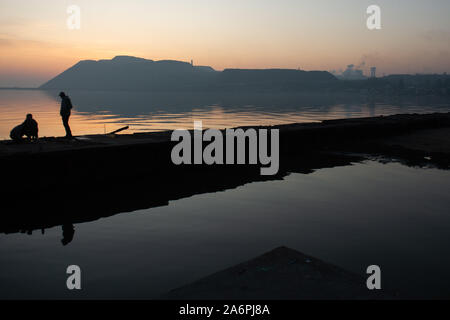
(275, 79)
(137, 74)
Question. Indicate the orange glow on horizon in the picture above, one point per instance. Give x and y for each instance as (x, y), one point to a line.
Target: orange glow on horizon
(36, 45)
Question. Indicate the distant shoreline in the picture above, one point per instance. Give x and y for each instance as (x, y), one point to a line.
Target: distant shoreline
(18, 88)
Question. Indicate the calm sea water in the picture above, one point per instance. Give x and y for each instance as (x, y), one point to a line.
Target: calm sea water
(354, 216)
(100, 112)
(370, 213)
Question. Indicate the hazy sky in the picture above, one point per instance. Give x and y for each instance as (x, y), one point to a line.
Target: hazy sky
(35, 43)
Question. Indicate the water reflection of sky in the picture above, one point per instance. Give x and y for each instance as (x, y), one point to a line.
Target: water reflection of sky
(390, 215)
(100, 112)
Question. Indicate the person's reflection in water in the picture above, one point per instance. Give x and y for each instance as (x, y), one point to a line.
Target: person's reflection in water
(68, 232)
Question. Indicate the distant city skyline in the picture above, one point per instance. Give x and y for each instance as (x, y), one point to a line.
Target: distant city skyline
(36, 44)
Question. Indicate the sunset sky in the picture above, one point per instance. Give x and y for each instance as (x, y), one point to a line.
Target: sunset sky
(36, 45)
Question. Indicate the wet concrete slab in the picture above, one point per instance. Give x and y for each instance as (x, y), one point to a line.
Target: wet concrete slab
(281, 274)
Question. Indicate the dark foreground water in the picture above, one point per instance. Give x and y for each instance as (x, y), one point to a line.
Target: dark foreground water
(370, 213)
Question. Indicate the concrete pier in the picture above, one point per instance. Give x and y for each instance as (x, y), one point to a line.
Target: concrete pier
(281, 274)
(103, 175)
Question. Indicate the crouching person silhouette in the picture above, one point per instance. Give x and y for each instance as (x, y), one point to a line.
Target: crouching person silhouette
(66, 106)
(28, 128)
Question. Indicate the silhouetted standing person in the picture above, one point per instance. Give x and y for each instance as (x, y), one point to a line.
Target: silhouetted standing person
(66, 107)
